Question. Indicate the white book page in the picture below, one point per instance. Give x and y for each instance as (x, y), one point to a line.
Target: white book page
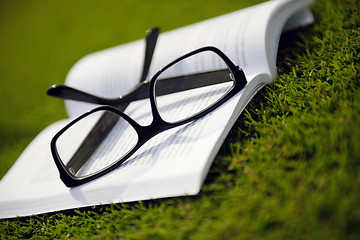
(241, 35)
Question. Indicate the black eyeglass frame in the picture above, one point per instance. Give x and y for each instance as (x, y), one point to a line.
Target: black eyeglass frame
(157, 125)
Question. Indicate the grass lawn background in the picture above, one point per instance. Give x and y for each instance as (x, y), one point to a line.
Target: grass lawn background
(289, 168)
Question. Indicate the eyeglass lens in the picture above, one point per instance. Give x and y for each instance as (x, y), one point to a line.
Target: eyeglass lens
(206, 85)
(95, 142)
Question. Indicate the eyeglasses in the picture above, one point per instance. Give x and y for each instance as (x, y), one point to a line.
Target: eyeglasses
(104, 138)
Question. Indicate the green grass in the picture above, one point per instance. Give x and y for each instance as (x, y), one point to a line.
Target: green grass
(289, 168)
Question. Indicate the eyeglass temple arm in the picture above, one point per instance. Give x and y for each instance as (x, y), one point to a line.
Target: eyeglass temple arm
(69, 93)
(151, 39)
(65, 92)
(164, 86)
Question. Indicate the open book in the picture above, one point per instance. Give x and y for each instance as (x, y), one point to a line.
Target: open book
(175, 162)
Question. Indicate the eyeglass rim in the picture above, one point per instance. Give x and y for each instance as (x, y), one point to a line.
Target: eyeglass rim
(158, 124)
(234, 69)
